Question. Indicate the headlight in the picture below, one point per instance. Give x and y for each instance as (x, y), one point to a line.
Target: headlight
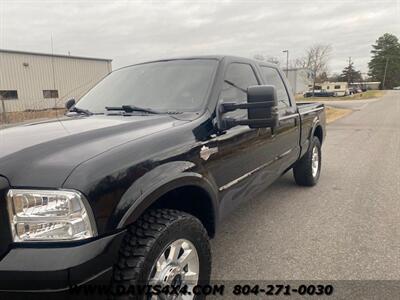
(37, 215)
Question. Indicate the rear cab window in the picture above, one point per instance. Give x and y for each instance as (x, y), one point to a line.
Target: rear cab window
(272, 77)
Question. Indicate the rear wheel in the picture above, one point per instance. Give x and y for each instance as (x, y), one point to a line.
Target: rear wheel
(307, 170)
(166, 248)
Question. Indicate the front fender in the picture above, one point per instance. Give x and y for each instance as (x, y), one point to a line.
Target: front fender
(154, 184)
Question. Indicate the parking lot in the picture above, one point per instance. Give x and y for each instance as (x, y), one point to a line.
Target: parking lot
(347, 227)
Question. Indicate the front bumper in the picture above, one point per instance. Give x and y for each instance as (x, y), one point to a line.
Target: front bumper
(49, 267)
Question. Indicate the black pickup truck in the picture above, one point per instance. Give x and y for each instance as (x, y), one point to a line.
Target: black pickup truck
(131, 183)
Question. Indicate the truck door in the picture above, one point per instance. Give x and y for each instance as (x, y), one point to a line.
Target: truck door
(287, 135)
(245, 162)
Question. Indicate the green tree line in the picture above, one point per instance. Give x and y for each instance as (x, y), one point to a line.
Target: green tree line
(385, 62)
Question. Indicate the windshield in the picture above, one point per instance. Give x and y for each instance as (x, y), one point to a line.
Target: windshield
(175, 85)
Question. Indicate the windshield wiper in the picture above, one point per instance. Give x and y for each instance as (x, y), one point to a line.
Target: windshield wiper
(132, 108)
(80, 111)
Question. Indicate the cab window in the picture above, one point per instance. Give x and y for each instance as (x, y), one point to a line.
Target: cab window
(238, 77)
(272, 77)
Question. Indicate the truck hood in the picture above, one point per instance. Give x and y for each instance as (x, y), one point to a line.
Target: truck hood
(43, 154)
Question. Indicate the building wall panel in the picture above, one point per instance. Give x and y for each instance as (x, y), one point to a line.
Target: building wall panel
(30, 74)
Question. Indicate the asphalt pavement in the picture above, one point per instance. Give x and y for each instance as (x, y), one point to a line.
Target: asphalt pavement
(346, 227)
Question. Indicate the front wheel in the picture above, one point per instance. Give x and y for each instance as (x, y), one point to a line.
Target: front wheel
(167, 248)
(307, 170)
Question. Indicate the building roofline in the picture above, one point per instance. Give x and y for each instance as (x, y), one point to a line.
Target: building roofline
(296, 69)
(53, 55)
(366, 82)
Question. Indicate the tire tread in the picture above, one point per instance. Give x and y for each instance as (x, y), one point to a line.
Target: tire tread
(141, 237)
(302, 170)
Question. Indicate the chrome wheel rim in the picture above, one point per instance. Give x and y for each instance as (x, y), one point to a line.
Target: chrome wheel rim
(315, 161)
(178, 265)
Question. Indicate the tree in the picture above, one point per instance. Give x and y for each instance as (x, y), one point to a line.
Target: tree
(334, 77)
(322, 77)
(350, 74)
(385, 62)
(316, 59)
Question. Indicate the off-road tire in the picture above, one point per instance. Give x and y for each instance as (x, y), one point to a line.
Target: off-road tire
(302, 170)
(147, 238)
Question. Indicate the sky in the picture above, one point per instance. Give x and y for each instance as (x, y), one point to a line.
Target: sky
(134, 31)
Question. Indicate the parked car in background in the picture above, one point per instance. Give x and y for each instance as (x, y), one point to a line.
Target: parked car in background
(355, 89)
(396, 88)
(318, 93)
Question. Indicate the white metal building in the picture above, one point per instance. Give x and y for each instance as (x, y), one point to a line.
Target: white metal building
(368, 85)
(299, 79)
(35, 81)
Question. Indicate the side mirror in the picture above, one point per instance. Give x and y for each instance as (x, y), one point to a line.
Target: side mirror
(262, 108)
(267, 113)
(71, 102)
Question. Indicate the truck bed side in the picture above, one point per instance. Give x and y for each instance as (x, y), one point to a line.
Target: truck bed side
(312, 116)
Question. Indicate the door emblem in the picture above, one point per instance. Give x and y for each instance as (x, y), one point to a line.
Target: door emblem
(206, 152)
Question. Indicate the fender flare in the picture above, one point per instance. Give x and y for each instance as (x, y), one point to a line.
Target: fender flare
(305, 146)
(154, 184)
(316, 123)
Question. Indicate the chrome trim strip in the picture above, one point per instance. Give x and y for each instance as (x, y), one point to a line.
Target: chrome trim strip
(237, 180)
(310, 111)
(296, 115)
(285, 153)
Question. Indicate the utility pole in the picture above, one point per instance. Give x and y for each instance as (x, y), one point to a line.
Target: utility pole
(287, 62)
(384, 74)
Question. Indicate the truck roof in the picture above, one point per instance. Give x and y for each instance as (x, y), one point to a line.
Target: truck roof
(216, 57)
